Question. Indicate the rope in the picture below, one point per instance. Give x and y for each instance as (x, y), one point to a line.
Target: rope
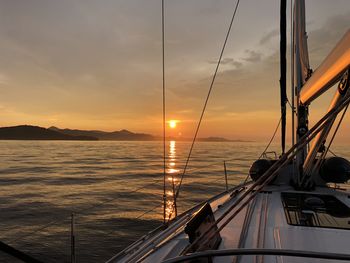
(335, 132)
(324, 154)
(332, 152)
(264, 180)
(209, 165)
(163, 88)
(139, 216)
(89, 209)
(39, 229)
(207, 98)
(214, 180)
(292, 108)
(273, 136)
(269, 174)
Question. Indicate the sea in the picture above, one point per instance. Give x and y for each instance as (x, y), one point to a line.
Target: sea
(107, 194)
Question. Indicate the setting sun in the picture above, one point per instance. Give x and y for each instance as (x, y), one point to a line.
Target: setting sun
(172, 124)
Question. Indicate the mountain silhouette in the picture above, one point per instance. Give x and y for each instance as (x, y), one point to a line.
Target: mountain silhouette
(28, 132)
(122, 135)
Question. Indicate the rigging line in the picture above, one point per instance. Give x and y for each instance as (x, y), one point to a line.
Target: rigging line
(211, 181)
(246, 178)
(291, 107)
(137, 218)
(264, 180)
(89, 209)
(163, 88)
(207, 98)
(318, 164)
(196, 169)
(324, 154)
(306, 138)
(191, 170)
(273, 136)
(335, 132)
(271, 172)
(79, 212)
(61, 220)
(332, 153)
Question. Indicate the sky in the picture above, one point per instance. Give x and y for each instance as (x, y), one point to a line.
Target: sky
(87, 64)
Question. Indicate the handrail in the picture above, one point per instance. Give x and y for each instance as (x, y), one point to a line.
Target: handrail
(260, 251)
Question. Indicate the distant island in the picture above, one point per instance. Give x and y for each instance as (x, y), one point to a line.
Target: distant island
(122, 135)
(29, 132)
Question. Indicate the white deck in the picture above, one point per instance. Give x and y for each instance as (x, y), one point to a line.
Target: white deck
(267, 228)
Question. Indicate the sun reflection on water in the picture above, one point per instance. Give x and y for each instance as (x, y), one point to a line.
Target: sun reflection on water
(172, 173)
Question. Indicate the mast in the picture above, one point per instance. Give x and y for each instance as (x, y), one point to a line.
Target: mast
(283, 68)
(302, 72)
(292, 74)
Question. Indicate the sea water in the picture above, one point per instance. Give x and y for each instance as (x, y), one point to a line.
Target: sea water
(114, 190)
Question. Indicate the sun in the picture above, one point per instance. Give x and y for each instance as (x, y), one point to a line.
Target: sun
(172, 124)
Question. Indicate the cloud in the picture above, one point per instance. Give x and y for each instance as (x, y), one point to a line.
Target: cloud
(268, 36)
(228, 61)
(252, 56)
(322, 40)
(237, 64)
(223, 61)
(88, 59)
(3, 79)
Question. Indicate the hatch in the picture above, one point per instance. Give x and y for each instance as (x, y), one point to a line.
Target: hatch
(315, 210)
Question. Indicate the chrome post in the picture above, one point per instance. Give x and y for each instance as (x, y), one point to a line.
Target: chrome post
(174, 196)
(72, 239)
(226, 183)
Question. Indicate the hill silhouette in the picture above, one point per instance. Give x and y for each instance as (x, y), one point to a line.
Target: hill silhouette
(28, 132)
(122, 135)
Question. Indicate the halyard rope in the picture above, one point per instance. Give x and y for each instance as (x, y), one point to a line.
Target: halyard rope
(163, 88)
(207, 98)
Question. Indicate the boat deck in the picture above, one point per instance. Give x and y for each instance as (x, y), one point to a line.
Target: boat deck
(268, 222)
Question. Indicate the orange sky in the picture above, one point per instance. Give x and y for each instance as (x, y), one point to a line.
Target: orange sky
(97, 64)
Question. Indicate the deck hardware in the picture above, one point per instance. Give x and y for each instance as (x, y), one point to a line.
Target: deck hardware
(72, 239)
(198, 224)
(226, 184)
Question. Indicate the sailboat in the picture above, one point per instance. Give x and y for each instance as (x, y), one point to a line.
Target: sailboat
(291, 209)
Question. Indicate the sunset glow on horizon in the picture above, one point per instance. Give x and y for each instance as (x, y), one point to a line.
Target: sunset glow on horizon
(99, 68)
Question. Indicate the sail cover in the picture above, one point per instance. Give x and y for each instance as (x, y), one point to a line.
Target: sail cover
(329, 71)
(301, 56)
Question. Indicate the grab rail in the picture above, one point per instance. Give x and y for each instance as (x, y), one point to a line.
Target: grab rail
(259, 251)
